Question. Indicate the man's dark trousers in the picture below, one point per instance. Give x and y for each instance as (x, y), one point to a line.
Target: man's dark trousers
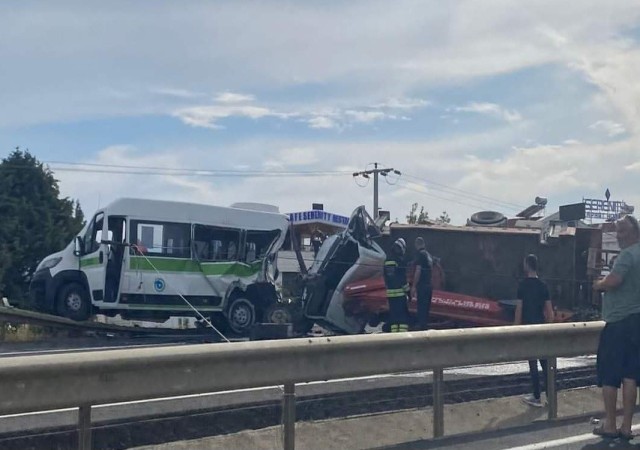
(424, 306)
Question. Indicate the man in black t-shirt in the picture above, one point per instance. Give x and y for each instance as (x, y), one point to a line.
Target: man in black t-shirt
(421, 288)
(534, 306)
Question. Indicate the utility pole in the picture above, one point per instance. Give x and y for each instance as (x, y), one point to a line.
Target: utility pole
(375, 172)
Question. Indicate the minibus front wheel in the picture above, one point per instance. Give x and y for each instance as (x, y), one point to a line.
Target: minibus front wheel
(241, 315)
(73, 302)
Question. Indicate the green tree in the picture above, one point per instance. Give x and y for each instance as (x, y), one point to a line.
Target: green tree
(444, 218)
(422, 217)
(34, 220)
(415, 217)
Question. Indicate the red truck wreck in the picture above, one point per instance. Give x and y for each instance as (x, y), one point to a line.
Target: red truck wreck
(475, 276)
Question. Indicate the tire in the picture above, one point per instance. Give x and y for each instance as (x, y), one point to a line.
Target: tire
(73, 302)
(279, 314)
(488, 218)
(282, 313)
(241, 316)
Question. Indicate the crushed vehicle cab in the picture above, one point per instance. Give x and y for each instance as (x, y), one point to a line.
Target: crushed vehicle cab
(347, 257)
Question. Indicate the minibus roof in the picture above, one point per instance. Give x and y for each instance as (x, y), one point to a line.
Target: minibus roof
(170, 211)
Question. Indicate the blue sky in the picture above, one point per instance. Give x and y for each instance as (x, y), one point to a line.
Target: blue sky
(482, 106)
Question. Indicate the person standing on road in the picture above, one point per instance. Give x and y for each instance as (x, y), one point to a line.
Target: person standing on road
(316, 243)
(395, 280)
(421, 290)
(533, 307)
(619, 347)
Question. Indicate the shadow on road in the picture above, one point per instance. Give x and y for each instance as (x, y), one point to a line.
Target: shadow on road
(610, 444)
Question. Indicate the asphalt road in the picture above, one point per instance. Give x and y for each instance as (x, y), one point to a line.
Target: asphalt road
(573, 434)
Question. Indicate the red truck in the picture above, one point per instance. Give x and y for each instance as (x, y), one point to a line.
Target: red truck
(475, 276)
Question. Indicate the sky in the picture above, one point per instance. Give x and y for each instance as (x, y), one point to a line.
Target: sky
(479, 105)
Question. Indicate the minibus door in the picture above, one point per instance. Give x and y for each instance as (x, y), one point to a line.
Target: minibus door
(93, 261)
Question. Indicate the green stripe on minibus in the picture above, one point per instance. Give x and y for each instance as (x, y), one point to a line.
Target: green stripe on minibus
(186, 265)
(88, 262)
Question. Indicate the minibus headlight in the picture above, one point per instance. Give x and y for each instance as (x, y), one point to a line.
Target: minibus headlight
(50, 263)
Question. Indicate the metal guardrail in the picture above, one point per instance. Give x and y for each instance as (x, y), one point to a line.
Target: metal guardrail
(39, 383)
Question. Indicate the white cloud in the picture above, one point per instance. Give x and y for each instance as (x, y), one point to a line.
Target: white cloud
(612, 129)
(239, 105)
(208, 116)
(490, 109)
(173, 92)
(403, 103)
(322, 122)
(231, 97)
(552, 171)
(367, 116)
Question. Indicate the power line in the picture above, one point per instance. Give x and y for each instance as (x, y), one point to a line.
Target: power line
(163, 171)
(225, 171)
(430, 194)
(468, 194)
(200, 174)
(120, 169)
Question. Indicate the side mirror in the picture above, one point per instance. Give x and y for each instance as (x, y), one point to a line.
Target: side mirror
(78, 249)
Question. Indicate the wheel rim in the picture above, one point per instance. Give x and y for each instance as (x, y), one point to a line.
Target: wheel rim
(74, 301)
(241, 315)
(280, 315)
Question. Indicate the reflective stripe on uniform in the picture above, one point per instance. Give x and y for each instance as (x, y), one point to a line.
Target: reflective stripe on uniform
(403, 328)
(390, 263)
(393, 293)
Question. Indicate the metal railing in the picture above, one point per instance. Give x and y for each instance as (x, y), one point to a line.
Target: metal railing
(40, 383)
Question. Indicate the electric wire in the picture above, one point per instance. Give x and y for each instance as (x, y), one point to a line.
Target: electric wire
(464, 193)
(60, 166)
(407, 185)
(236, 171)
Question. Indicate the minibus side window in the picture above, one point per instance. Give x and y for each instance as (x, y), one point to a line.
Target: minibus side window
(257, 243)
(161, 238)
(215, 244)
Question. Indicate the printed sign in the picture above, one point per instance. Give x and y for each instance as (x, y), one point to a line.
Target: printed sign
(604, 209)
(319, 216)
(460, 301)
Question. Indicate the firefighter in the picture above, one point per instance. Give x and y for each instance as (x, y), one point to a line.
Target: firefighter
(395, 280)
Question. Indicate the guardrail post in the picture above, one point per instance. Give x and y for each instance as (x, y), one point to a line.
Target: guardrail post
(438, 403)
(84, 427)
(552, 393)
(289, 416)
